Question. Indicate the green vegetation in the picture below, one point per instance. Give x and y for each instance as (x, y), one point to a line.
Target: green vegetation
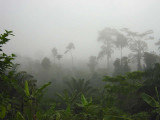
(124, 96)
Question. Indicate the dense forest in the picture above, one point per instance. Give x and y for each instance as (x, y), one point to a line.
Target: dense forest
(127, 88)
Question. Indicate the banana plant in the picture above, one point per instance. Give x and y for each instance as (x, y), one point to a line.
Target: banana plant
(67, 99)
(116, 114)
(19, 116)
(90, 110)
(50, 114)
(153, 102)
(53, 114)
(35, 93)
(31, 99)
(84, 102)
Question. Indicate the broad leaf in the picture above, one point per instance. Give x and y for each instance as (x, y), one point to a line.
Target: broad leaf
(150, 100)
(26, 89)
(42, 88)
(2, 112)
(84, 101)
(19, 116)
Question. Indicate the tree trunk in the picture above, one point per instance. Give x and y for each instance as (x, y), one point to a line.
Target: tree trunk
(54, 59)
(139, 68)
(72, 59)
(107, 61)
(121, 55)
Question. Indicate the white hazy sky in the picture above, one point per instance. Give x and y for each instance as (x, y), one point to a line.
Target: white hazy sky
(40, 25)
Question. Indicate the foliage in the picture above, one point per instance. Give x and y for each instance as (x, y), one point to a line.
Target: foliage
(46, 63)
(54, 53)
(121, 67)
(92, 63)
(59, 57)
(158, 43)
(117, 67)
(137, 44)
(153, 103)
(150, 59)
(5, 60)
(66, 99)
(106, 36)
(124, 96)
(18, 92)
(79, 86)
(69, 49)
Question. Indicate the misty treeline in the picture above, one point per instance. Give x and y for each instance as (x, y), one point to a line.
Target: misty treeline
(126, 88)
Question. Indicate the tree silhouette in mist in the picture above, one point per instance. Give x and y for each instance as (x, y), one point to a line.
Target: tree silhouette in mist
(107, 37)
(69, 49)
(137, 44)
(54, 53)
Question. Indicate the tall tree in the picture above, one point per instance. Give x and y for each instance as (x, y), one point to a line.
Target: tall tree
(107, 37)
(46, 63)
(59, 57)
(125, 66)
(5, 60)
(121, 68)
(54, 53)
(18, 90)
(117, 67)
(137, 43)
(105, 51)
(121, 42)
(158, 44)
(150, 59)
(69, 49)
(92, 63)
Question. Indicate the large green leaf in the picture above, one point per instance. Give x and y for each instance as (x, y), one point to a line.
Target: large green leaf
(19, 116)
(58, 116)
(156, 90)
(26, 88)
(84, 101)
(39, 91)
(150, 100)
(2, 112)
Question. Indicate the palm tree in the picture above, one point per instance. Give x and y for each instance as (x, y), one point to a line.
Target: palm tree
(79, 86)
(69, 49)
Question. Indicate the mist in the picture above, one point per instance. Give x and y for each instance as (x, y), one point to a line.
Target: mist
(80, 49)
(41, 25)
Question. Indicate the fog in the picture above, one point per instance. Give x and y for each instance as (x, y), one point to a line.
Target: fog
(79, 59)
(41, 25)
